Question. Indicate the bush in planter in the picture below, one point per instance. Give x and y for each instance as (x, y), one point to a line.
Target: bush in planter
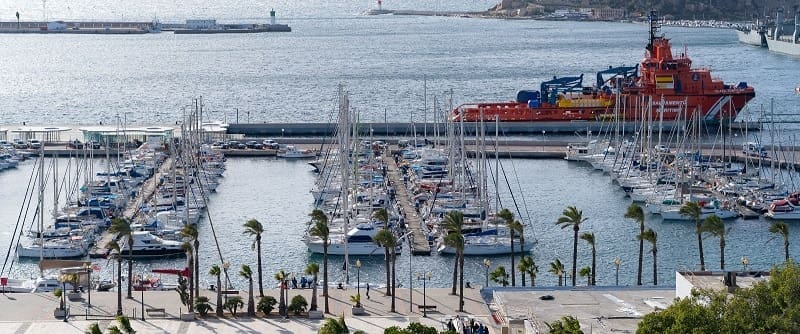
(266, 304)
(94, 329)
(202, 306)
(356, 300)
(233, 304)
(124, 326)
(334, 326)
(58, 293)
(298, 304)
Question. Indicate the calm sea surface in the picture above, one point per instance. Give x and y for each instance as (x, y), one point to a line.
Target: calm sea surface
(383, 60)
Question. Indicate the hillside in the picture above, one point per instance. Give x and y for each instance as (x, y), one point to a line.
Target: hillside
(727, 10)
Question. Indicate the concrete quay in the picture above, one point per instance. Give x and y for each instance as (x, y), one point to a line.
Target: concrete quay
(33, 313)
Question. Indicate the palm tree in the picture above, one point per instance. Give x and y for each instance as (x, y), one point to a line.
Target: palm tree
(313, 269)
(692, 210)
(254, 228)
(528, 266)
(714, 226)
(215, 271)
(557, 268)
(513, 227)
(499, 276)
(782, 229)
(320, 230)
(114, 247)
(247, 273)
(636, 213)
(651, 237)
(586, 272)
(187, 247)
(388, 241)
(589, 238)
(453, 223)
(122, 227)
(383, 216)
(190, 231)
(281, 278)
(572, 217)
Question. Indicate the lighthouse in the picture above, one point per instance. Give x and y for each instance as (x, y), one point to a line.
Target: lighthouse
(379, 4)
(272, 16)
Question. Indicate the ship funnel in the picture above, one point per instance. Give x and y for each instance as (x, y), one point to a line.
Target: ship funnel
(272, 17)
(778, 24)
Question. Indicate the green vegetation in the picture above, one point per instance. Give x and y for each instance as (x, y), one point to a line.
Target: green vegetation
(266, 304)
(565, 325)
(233, 304)
(414, 328)
(298, 305)
(202, 306)
(334, 326)
(770, 306)
(572, 217)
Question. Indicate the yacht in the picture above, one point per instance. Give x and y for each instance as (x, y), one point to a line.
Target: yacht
(360, 241)
(145, 244)
(293, 152)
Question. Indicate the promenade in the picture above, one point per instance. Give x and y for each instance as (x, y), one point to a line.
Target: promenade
(33, 313)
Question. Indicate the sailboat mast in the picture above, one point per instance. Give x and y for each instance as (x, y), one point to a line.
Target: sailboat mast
(41, 208)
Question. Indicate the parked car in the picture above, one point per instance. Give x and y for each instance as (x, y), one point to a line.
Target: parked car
(19, 143)
(252, 144)
(662, 148)
(219, 145)
(95, 145)
(271, 144)
(76, 144)
(235, 144)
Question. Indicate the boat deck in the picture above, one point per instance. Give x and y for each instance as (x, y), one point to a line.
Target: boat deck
(419, 241)
(148, 189)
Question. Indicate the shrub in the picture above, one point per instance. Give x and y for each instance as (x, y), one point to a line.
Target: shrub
(298, 304)
(202, 306)
(266, 304)
(233, 304)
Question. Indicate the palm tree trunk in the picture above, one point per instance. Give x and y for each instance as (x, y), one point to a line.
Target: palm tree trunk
(700, 247)
(522, 273)
(722, 253)
(387, 256)
(196, 269)
(461, 282)
(260, 270)
(655, 266)
(594, 265)
(575, 255)
(119, 284)
(325, 274)
(191, 284)
(513, 279)
(219, 296)
(251, 303)
(455, 274)
(394, 277)
(314, 294)
(130, 266)
(641, 255)
(786, 248)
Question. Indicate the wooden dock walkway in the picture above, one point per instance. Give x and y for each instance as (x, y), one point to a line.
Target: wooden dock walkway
(413, 222)
(148, 189)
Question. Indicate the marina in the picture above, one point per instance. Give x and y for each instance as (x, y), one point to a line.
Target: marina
(394, 171)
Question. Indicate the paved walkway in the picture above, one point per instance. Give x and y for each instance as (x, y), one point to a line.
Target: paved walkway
(33, 313)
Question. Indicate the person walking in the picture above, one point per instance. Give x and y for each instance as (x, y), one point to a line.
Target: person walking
(367, 290)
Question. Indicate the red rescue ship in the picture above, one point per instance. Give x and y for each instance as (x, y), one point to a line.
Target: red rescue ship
(668, 88)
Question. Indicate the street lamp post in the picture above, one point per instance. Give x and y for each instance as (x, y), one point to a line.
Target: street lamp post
(617, 262)
(424, 278)
(358, 278)
(486, 264)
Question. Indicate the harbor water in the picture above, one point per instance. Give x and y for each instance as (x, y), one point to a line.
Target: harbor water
(276, 192)
(384, 61)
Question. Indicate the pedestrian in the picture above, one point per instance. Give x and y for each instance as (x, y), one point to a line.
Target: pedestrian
(367, 290)
(294, 282)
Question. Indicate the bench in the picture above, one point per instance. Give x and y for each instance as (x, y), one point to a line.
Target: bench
(159, 311)
(427, 307)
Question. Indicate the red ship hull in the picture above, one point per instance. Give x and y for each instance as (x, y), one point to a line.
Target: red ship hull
(660, 88)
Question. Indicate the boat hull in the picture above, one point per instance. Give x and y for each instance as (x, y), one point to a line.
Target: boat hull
(363, 249)
(785, 47)
(752, 37)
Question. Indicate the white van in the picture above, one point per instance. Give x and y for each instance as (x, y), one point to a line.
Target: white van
(754, 149)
